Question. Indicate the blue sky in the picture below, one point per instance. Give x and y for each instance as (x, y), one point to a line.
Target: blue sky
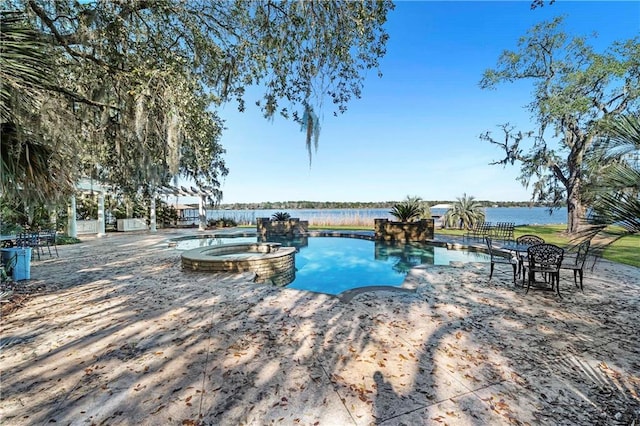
(415, 130)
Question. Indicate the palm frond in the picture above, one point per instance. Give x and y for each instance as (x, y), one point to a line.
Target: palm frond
(617, 187)
(24, 64)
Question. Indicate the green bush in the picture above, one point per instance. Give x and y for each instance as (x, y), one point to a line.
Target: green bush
(62, 240)
(223, 222)
(280, 216)
(407, 211)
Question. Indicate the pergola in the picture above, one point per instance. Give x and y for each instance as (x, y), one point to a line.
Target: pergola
(90, 185)
(202, 195)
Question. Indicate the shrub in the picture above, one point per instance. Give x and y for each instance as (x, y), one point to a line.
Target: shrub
(409, 210)
(223, 222)
(65, 239)
(280, 216)
(228, 222)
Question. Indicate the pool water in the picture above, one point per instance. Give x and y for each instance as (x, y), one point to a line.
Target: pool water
(332, 265)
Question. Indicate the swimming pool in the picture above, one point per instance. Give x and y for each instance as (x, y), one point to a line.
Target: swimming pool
(333, 265)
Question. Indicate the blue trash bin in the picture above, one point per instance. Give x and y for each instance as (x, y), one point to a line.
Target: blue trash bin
(21, 264)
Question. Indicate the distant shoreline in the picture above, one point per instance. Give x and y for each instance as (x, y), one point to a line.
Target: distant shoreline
(365, 216)
(327, 205)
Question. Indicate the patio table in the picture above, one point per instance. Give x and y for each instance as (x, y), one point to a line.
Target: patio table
(518, 249)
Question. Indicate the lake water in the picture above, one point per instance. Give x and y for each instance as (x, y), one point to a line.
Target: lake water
(517, 215)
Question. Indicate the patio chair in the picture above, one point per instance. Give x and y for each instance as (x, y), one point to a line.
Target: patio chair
(30, 239)
(498, 256)
(526, 239)
(575, 260)
(48, 240)
(546, 259)
(503, 231)
(479, 231)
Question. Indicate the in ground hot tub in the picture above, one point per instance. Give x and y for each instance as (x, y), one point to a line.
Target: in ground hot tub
(269, 261)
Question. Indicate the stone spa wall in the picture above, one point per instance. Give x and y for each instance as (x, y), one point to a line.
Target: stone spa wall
(290, 227)
(421, 230)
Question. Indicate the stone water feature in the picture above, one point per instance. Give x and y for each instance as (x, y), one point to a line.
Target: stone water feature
(420, 230)
(290, 227)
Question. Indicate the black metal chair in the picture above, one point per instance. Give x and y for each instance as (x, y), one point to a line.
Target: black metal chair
(503, 231)
(530, 240)
(48, 240)
(498, 256)
(546, 259)
(479, 231)
(575, 260)
(30, 239)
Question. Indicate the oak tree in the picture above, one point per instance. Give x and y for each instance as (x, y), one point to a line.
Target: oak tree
(138, 82)
(575, 90)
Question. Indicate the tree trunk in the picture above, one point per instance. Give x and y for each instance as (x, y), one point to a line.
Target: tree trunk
(575, 208)
(578, 142)
(574, 214)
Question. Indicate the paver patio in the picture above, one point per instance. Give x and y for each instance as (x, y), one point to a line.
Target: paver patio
(119, 334)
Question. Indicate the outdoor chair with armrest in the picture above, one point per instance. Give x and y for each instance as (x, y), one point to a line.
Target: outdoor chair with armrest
(546, 259)
(498, 256)
(503, 231)
(530, 240)
(479, 231)
(48, 240)
(30, 239)
(575, 260)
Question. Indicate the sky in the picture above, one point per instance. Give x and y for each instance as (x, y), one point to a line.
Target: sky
(415, 131)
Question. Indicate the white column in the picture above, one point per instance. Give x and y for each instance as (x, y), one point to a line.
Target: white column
(152, 219)
(101, 217)
(203, 214)
(72, 229)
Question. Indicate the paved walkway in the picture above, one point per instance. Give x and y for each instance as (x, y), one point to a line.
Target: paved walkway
(119, 334)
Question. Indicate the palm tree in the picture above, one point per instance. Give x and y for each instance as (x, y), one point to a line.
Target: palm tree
(280, 216)
(32, 167)
(617, 184)
(24, 67)
(409, 210)
(465, 212)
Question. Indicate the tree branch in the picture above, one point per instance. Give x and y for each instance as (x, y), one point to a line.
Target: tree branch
(557, 172)
(62, 40)
(78, 98)
(510, 145)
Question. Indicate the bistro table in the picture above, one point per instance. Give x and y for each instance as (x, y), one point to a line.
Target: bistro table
(518, 249)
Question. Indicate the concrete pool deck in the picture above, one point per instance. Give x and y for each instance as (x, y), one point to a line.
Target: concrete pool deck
(115, 332)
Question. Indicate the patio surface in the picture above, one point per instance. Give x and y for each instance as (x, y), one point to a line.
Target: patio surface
(116, 333)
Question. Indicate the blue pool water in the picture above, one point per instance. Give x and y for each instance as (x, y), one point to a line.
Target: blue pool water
(332, 265)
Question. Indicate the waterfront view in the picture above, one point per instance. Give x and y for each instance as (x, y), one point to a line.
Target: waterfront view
(365, 217)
